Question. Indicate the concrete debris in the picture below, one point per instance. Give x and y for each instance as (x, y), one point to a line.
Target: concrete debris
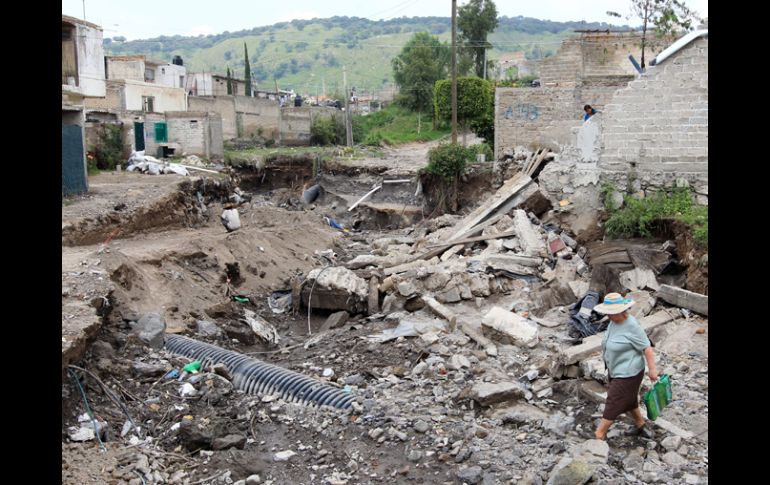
(283, 455)
(208, 329)
(231, 220)
(531, 242)
(684, 298)
(639, 279)
(645, 302)
(509, 328)
(409, 327)
(263, 329)
(336, 288)
(487, 393)
(335, 320)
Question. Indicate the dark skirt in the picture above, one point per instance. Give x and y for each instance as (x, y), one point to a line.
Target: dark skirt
(622, 396)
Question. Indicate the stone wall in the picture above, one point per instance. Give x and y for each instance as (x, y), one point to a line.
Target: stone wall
(296, 122)
(242, 116)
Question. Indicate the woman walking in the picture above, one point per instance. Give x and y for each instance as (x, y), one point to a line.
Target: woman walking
(625, 348)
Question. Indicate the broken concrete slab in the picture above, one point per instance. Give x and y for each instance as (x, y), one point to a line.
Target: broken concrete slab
(531, 242)
(674, 429)
(593, 391)
(336, 288)
(579, 288)
(644, 303)
(402, 268)
(639, 279)
(263, 329)
(487, 393)
(442, 311)
(593, 368)
(684, 299)
(373, 303)
(593, 344)
(520, 413)
(509, 328)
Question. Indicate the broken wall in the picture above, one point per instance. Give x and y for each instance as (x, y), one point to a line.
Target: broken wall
(242, 116)
(112, 101)
(223, 106)
(656, 129)
(296, 122)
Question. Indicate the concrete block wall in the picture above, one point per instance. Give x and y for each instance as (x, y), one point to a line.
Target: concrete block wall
(296, 122)
(257, 115)
(565, 67)
(190, 130)
(658, 125)
(113, 99)
(223, 106)
(150, 147)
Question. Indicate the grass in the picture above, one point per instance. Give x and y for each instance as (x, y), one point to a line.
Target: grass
(395, 125)
(247, 157)
(639, 216)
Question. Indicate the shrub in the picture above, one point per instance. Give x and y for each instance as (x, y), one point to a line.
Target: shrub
(108, 150)
(484, 148)
(324, 131)
(448, 161)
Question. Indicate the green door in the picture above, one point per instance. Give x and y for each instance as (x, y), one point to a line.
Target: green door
(139, 136)
(161, 133)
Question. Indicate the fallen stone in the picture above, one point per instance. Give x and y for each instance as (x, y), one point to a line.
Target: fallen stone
(442, 311)
(392, 303)
(414, 455)
(229, 441)
(102, 349)
(671, 443)
(406, 288)
(452, 295)
(376, 433)
(414, 304)
(253, 480)
(674, 429)
(559, 424)
(509, 328)
(419, 368)
(593, 391)
(644, 303)
(593, 368)
(149, 370)
(335, 320)
(283, 455)
(579, 288)
(531, 242)
(230, 219)
(150, 329)
(208, 329)
(593, 452)
(568, 240)
(639, 279)
(672, 458)
(457, 362)
(571, 472)
(684, 299)
(487, 393)
(373, 303)
(221, 369)
(336, 288)
(634, 460)
(470, 475)
(194, 438)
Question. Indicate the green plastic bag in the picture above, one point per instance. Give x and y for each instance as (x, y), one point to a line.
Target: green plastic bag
(657, 398)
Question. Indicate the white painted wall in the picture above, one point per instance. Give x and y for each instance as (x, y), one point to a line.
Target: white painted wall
(168, 75)
(166, 98)
(90, 61)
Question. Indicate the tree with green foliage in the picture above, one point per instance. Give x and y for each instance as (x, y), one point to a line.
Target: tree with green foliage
(247, 70)
(475, 97)
(423, 61)
(665, 17)
(229, 82)
(475, 20)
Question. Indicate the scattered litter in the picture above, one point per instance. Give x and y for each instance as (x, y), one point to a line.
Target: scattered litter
(583, 318)
(187, 389)
(280, 301)
(261, 327)
(409, 328)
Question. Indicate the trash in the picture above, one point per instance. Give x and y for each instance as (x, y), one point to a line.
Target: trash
(193, 367)
(311, 194)
(231, 220)
(564, 202)
(172, 374)
(409, 328)
(177, 169)
(583, 318)
(279, 301)
(328, 372)
(240, 299)
(334, 224)
(187, 389)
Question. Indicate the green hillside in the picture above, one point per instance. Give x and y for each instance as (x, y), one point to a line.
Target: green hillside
(308, 55)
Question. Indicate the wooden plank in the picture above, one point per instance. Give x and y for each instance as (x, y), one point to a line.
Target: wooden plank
(593, 344)
(440, 250)
(479, 238)
(684, 299)
(537, 162)
(503, 194)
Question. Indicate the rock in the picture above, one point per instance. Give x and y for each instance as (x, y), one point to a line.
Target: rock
(194, 438)
(150, 329)
(559, 424)
(462, 455)
(451, 295)
(645, 302)
(520, 414)
(470, 475)
(594, 368)
(142, 369)
(336, 288)
(222, 370)
(691, 479)
(671, 443)
(376, 433)
(579, 288)
(253, 480)
(594, 452)
(634, 460)
(457, 362)
(414, 304)
(527, 235)
(487, 393)
(283, 455)
(672, 458)
(419, 368)
(639, 279)
(392, 304)
(187, 389)
(568, 240)
(229, 441)
(208, 329)
(335, 320)
(406, 288)
(414, 455)
(328, 372)
(571, 472)
(421, 426)
(593, 391)
(230, 219)
(489, 479)
(651, 471)
(508, 327)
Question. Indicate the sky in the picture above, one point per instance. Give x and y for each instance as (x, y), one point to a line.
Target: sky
(142, 19)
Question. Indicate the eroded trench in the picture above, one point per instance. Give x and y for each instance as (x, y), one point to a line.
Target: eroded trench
(415, 412)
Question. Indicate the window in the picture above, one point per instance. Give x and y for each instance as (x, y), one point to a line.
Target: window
(148, 104)
(235, 88)
(163, 70)
(149, 75)
(181, 81)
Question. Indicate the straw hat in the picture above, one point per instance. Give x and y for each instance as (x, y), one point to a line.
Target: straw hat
(613, 304)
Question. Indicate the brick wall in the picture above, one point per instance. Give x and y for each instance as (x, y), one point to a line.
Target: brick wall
(565, 67)
(658, 125)
(190, 130)
(113, 99)
(242, 116)
(223, 106)
(296, 122)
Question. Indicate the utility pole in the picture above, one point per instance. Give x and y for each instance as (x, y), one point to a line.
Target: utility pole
(348, 128)
(485, 62)
(84, 10)
(454, 71)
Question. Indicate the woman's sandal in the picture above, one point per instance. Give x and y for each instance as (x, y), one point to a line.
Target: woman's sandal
(643, 431)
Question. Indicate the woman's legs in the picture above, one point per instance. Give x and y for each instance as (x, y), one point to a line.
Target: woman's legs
(636, 413)
(601, 431)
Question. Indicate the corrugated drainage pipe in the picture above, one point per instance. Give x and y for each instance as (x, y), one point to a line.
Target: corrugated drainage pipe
(256, 377)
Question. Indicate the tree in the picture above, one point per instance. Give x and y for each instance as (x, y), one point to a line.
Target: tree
(664, 16)
(476, 20)
(229, 82)
(247, 70)
(474, 100)
(423, 61)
